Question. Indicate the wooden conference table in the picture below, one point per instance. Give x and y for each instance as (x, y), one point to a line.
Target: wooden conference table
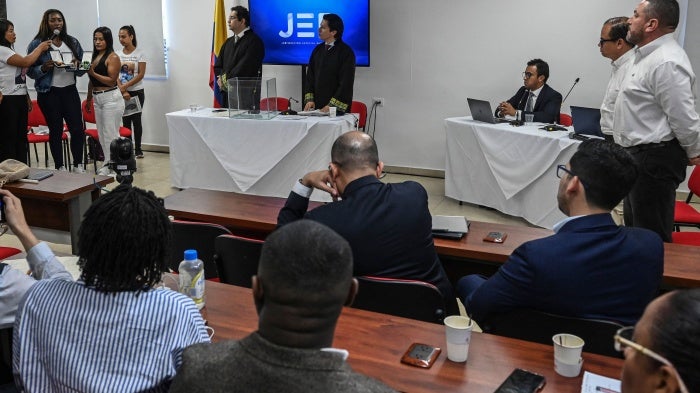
(59, 202)
(256, 216)
(377, 341)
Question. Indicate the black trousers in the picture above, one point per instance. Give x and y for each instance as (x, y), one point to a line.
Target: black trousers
(651, 202)
(13, 128)
(59, 104)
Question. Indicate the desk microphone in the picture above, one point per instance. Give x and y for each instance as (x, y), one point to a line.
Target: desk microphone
(520, 121)
(289, 110)
(572, 87)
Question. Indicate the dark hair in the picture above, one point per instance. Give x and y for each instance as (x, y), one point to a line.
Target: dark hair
(109, 40)
(242, 13)
(606, 170)
(542, 67)
(45, 32)
(665, 11)
(619, 28)
(307, 263)
(124, 241)
(4, 27)
(674, 334)
(335, 23)
(130, 31)
(355, 150)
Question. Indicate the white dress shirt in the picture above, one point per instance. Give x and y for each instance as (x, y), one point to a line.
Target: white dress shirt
(620, 68)
(656, 101)
(534, 94)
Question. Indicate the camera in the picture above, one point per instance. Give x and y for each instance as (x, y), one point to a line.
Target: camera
(121, 153)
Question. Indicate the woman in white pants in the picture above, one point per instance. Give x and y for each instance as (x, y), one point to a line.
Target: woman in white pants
(108, 101)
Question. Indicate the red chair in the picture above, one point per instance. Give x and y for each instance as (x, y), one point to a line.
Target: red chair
(361, 108)
(6, 252)
(237, 259)
(565, 119)
(278, 104)
(685, 214)
(36, 119)
(92, 134)
(688, 238)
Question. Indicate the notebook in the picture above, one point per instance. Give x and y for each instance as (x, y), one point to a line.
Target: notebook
(39, 175)
(586, 121)
(481, 111)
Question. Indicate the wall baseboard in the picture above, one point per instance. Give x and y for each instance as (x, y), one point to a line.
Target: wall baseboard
(156, 148)
(414, 171)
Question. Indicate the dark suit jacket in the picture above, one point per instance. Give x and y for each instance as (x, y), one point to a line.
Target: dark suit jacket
(547, 106)
(591, 268)
(388, 227)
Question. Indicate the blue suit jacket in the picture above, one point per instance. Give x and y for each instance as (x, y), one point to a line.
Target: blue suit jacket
(388, 226)
(591, 268)
(547, 106)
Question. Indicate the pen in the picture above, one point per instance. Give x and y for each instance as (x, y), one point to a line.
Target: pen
(32, 181)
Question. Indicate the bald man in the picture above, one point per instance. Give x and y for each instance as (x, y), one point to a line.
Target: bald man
(388, 226)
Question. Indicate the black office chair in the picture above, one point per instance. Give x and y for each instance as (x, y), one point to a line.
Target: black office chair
(237, 259)
(404, 298)
(198, 236)
(6, 356)
(537, 326)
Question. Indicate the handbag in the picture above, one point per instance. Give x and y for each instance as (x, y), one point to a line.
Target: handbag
(11, 170)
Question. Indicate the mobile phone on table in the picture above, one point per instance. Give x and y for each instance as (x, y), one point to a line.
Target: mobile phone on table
(496, 237)
(522, 381)
(420, 355)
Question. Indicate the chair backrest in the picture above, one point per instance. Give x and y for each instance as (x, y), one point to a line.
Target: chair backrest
(199, 236)
(237, 259)
(88, 117)
(282, 103)
(404, 298)
(693, 183)
(361, 108)
(537, 326)
(6, 356)
(36, 116)
(565, 119)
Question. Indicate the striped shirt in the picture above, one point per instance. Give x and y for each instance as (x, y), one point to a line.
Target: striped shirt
(73, 338)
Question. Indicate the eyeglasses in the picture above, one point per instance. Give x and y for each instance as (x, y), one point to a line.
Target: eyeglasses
(623, 339)
(604, 40)
(561, 170)
(527, 75)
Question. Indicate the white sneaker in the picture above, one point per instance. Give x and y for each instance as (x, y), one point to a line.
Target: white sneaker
(62, 169)
(104, 171)
(79, 168)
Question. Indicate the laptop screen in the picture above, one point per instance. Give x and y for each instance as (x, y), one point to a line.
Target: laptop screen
(586, 120)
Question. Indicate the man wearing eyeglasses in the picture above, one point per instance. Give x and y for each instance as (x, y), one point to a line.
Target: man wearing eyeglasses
(590, 267)
(655, 116)
(613, 44)
(241, 56)
(534, 97)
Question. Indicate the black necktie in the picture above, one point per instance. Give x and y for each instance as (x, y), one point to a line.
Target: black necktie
(328, 47)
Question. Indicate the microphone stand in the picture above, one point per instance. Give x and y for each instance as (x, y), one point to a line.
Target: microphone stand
(519, 121)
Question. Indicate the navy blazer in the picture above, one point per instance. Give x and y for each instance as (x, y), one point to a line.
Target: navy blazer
(388, 226)
(547, 106)
(591, 268)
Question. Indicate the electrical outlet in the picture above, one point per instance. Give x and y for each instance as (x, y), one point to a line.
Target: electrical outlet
(378, 100)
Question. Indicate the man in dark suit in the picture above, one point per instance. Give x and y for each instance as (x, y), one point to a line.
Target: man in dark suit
(388, 226)
(590, 267)
(303, 281)
(534, 97)
(241, 56)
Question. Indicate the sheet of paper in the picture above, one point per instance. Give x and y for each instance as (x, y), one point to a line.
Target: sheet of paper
(594, 383)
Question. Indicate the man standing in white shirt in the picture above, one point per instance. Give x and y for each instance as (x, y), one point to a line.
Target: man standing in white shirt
(655, 116)
(613, 44)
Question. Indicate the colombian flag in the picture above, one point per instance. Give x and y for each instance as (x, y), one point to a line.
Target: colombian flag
(218, 36)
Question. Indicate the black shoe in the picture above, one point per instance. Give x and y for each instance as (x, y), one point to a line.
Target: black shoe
(139, 153)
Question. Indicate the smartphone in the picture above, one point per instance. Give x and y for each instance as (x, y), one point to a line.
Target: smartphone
(522, 381)
(2, 211)
(420, 355)
(496, 237)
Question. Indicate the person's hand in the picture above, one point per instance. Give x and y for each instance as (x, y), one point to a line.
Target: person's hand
(48, 66)
(44, 46)
(88, 104)
(310, 106)
(321, 180)
(325, 109)
(16, 220)
(219, 82)
(126, 95)
(694, 160)
(505, 108)
(30, 106)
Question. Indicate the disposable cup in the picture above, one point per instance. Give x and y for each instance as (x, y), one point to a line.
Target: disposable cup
(567, 348)
(332, 111)
(458, 332)
(529, 118)
(566, 369)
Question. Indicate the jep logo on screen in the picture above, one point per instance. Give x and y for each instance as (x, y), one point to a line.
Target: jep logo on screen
(305, 27)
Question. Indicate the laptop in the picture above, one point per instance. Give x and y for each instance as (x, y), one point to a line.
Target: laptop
(586, 121)
(481, 111)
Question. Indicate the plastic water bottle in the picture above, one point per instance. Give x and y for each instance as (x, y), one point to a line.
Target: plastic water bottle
(191, 272)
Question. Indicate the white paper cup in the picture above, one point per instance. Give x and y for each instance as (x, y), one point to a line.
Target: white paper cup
(332, 111)
(566, 369)
(529, 118)
(567, 347)
(458, 332)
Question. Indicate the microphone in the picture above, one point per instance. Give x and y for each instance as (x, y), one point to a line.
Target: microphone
(572, 87)
(56, 33)
(289, 110)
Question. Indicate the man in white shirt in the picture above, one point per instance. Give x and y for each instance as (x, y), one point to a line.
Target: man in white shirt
(613, 44)
(655, 116)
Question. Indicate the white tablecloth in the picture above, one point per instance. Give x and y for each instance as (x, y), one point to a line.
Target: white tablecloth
(511, 169)
(262, 157)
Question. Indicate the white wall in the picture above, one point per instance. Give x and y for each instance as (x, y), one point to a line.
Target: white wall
(426, 59)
